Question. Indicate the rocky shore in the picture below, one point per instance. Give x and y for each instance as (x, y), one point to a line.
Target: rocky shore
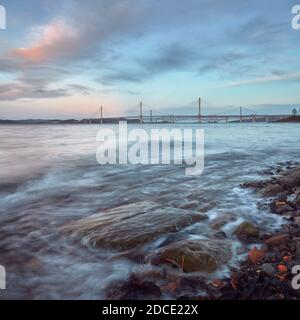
(175, 269)
(267, 272)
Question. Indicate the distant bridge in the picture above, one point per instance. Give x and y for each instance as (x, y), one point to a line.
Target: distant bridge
(237, 115)
(195, 119)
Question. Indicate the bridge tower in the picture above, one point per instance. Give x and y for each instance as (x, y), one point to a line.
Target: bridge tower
(199, 110)
(241, 115)
(151, 116)
(141, 112)
(101, 114)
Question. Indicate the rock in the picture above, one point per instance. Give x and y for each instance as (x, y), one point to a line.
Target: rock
(297, 200)
(277, 240)
(220, 235)
(197, 255)
(281, 207)
(192, 205)
(297, 251)
(131, 226)
(253, 184)
(292, 180)
(282, 268)
(272, 190)
(247, 232)
(297, 220)
(282, 196)
(220, 222)
(268, 269)
(256, 255)
(133, 289)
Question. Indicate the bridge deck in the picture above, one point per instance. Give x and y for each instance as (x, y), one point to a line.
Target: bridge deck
(204, 118)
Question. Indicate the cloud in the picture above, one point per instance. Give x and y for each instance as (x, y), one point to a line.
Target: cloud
(75, 37)
(168, 58)
(260, 31)
(223, 62)
(53, 41)
(77, 88)
(282, 76)
(13, 91)
(200, 37)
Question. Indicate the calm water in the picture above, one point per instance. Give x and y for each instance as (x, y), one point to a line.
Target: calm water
(49, 177)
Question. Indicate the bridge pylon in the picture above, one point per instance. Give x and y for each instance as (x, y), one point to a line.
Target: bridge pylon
(141, 112)
(199, 110)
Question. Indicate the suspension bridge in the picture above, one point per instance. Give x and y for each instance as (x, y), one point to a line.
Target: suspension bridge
(241, 114)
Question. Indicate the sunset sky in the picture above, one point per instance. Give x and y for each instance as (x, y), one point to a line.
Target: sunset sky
(63, 59)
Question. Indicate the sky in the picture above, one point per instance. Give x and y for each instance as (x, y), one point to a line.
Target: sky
(64, 59)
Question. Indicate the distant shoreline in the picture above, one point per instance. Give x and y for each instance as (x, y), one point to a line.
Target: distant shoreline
(69, 121)
(288, 119)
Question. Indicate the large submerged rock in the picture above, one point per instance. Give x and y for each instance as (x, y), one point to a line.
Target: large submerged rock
(196, 255)
(132, 225)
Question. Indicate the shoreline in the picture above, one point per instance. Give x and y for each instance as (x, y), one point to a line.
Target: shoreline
(266, 273)
(288, 119)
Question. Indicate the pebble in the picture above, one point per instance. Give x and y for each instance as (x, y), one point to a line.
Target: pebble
(268, 269)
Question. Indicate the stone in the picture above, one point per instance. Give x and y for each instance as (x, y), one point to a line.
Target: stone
(131, 226)
(268, 269)
(220, 222)
(297, 220)
(277, 240)
(192, 205)
(220, 235)
(253, 184)
(133, 289)
(297, 251)
(197, 255)
(256, 255)
(291, 179)
(281, 207)
(272, 190)
(297, 200)
(247, 232)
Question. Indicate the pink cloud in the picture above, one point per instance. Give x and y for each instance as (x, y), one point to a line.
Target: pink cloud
(52, 41)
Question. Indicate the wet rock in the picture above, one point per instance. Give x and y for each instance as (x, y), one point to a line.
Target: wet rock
(297, 200)
(268, 269)
(196, 255)
(220, 235)
(292, 180)
(272, 190)
(281, 207)
(282, 196)
(256, 255)
(297, 251)
(131, 226)
(192, 205)
(277, 240)
(247, 232)
(220, 222)
(133, 289)
(297, 220)
(207, 206)
(253, 184)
